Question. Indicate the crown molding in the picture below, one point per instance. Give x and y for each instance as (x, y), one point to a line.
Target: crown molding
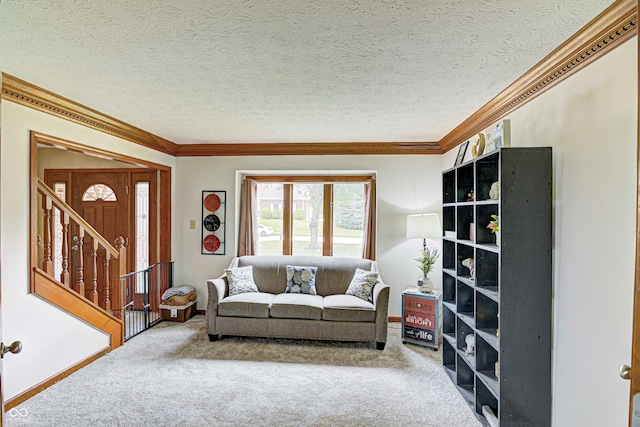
(27, 94)
(617, 24)
(308, 149)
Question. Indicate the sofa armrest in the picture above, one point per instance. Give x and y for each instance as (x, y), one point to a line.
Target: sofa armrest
(217, 290)
(381, 305)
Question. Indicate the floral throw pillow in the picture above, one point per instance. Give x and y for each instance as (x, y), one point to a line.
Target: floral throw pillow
(362, 284)
(301, 280)
(240, 280)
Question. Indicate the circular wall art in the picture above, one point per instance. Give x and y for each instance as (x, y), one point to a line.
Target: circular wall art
(477, 148)
(212, 202)
(213, 225)
(211, 222)
(211, 243)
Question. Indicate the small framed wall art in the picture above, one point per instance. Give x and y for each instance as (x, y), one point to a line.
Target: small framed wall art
(214, 221)
(498, 135)
(461, 152)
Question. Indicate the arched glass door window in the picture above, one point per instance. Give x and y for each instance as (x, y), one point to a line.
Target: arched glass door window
(99, 192)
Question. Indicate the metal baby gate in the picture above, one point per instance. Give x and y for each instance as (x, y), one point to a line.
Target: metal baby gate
(141, 296)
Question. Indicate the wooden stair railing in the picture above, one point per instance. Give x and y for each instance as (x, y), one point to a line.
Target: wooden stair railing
(102, 287)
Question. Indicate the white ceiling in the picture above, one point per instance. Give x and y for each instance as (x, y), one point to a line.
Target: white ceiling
(205, 71)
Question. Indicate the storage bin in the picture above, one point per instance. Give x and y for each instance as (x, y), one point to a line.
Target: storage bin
(178, 313)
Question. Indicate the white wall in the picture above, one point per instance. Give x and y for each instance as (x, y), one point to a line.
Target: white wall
(590, 120)
(52, 340)
(406, 184)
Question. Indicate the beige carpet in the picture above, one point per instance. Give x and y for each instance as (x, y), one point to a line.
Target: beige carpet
(172, 375)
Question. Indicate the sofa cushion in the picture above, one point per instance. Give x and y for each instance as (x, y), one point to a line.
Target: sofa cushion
(362, 284)
(301, 280)
(240, 280)
(297, 306)
(248, 304)
(347, 308)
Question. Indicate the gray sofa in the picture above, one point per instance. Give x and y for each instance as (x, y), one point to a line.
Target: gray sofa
(329, 315)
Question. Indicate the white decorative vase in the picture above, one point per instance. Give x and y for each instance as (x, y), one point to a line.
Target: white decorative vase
(498, 238)
(425, 285)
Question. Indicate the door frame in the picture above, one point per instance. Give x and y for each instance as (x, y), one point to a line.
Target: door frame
(635, 339)
(163, 231)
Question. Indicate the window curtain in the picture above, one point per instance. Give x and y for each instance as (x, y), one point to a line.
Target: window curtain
(369, 228)
(247, 242)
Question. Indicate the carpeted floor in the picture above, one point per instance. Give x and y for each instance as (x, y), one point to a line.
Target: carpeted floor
(172, 375)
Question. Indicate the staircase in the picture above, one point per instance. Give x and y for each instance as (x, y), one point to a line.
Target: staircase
(86, 296)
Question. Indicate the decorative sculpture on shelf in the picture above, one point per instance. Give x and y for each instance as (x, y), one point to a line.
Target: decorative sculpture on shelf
(470, 341)
(471, 265)
(494, 191)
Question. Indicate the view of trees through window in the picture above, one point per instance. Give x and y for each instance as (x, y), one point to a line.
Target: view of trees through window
(310, 203)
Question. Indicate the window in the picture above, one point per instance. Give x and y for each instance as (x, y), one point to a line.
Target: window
(304, 215)
(99, 192)
(142, 225)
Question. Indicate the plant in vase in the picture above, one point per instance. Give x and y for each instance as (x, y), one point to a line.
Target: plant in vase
(426, 262)
(494, 226)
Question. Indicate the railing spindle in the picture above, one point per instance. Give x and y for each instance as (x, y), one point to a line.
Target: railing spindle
(80, 268)
(64, 276)
(47, 264)
(93, 296)
(106, 304)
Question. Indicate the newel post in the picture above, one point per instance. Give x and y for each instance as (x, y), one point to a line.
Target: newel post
(121, 269)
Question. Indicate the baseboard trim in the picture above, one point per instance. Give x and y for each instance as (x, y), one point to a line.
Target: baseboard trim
(12, 403)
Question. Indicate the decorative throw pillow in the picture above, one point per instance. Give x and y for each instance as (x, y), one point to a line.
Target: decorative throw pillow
(240, 280)
(301, 280)
(362, 284)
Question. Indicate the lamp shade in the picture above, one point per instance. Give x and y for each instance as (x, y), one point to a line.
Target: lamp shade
(423, 226)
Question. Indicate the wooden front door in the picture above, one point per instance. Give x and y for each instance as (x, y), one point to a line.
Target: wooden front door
(102, 200)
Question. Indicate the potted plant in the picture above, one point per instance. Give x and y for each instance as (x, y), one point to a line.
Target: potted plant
(426, 262)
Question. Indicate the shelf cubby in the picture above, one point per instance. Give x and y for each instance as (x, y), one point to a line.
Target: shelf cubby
(463, 222)
(464, 300)
(465, 380)
(448, 355)
(449, 187)
(464, 183)
(449, 220)
(462, 330)
(448, 321)
(486, 311)
(484, 236)
(448, 288)
(448, 255)
(486, 270)
(486, 359)
(464, 251)
(484, 397)
(486, 174)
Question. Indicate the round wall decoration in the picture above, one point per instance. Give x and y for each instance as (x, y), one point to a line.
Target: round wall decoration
(211, 222)
(477, 147)
(211, 243)
(212, 202)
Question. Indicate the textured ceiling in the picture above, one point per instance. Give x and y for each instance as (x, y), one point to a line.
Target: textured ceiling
(207, 71)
